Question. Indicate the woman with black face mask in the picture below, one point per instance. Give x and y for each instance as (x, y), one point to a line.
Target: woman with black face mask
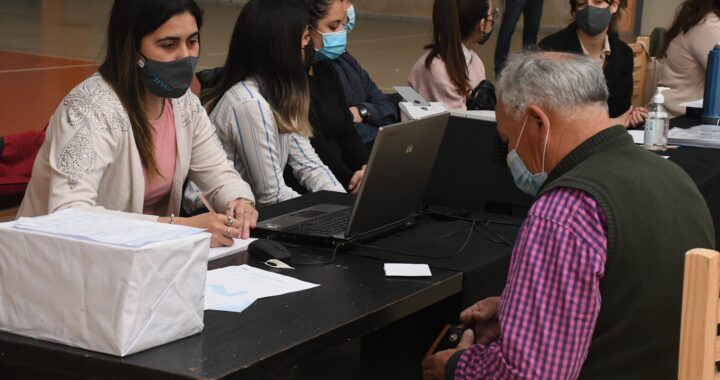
(450, 69)
(260, 101)
(694, 32)
(594, 34)
(126, 139)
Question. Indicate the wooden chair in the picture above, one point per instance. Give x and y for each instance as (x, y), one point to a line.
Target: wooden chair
(699, 343)
(8, 214)
(640, 64)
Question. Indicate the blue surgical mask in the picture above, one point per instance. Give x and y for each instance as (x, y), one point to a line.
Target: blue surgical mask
(334, 44)
(527, 182)
(351, 19)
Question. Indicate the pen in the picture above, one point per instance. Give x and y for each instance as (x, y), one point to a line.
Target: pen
(206, 203)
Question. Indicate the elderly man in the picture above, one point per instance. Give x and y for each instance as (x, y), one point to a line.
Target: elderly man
(595, 282)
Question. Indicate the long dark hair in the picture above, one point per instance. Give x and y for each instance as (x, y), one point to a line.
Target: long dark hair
(454, 21)
(613, 27)
(266, 45)
(689, 14)
(130, 21)
(318, 9)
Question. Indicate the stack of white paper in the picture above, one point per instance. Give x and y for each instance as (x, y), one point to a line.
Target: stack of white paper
(111, 229)
(237, 287)
(703, 136)
(240, 245)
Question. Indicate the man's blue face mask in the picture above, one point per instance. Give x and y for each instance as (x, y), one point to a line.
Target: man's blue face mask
(334, 44)
(526, 181)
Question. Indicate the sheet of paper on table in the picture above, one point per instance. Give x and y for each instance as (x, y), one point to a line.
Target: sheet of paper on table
(234, 288)
(702, 136)
(240, 245)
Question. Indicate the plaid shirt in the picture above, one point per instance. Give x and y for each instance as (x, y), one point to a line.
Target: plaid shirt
(551, 301)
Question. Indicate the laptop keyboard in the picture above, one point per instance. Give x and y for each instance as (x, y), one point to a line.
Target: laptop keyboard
(330, 224)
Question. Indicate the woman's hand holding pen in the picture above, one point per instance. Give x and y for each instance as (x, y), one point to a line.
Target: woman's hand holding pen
(239, 217)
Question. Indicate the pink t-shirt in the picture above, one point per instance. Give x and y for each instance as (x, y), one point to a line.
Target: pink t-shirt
(157, 189)
(435, 85)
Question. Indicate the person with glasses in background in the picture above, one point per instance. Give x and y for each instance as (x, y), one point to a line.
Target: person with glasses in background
(450, 69)
(335, 137)
(370, 108)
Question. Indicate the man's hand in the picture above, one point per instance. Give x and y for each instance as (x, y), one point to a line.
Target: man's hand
(484, 315)
(433, 366)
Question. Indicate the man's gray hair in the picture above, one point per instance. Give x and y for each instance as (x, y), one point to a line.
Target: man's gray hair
(558, 82)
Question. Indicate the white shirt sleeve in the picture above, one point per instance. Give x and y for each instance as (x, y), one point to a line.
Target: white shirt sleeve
(307, 167)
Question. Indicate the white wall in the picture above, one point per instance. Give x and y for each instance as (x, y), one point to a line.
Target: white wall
(658, 13)
(556, 13)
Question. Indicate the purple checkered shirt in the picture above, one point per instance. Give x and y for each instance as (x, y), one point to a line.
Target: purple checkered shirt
(552, 297)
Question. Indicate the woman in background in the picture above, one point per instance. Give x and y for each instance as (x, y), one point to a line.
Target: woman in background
(594, 33)
(260, 101)
(370, 108)
(125, 140)
(694, 32)
(450, 69)
(336, 140)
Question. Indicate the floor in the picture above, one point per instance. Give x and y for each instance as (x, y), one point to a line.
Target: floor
(48, 46)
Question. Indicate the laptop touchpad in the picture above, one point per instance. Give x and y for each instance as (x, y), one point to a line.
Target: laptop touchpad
(308, 214)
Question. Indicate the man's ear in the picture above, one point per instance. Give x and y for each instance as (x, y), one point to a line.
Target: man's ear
(540, 120)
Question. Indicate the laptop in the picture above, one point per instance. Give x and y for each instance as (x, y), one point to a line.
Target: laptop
(390, 194)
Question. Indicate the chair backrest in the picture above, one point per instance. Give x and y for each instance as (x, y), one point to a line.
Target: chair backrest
(640, 61)
(699, 343)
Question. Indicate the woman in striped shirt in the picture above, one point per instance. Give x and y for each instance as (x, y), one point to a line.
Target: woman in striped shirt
(259, 103)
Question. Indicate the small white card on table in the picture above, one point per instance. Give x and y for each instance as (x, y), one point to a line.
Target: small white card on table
(407, 270)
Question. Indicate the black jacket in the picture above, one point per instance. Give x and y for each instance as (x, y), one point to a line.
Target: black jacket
(618, 70)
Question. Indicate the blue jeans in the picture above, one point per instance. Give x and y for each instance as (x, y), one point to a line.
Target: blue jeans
(532, 10)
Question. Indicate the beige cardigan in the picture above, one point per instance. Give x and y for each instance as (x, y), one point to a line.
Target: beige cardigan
(683, 69)
(89, 158)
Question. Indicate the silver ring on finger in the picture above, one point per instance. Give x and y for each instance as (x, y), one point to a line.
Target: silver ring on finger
(227, 233)
(230, 221)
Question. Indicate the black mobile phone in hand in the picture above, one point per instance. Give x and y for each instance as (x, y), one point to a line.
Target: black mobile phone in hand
(448, 338)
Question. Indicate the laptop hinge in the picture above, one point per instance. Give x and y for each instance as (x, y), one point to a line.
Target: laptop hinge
(385, 230)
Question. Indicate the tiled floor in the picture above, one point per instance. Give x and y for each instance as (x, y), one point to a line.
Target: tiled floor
(61, 39)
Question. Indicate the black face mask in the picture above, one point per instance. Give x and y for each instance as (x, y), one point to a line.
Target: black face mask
(593, 20)
(168, 79)
(309, 50)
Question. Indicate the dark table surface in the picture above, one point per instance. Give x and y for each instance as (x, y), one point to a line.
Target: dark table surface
(481, 254)
(703, 166)
(355, 298)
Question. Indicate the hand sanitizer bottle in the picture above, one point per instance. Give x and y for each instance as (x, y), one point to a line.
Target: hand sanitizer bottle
(657, 123)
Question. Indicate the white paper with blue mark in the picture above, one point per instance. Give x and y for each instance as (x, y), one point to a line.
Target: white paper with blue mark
(235, 288)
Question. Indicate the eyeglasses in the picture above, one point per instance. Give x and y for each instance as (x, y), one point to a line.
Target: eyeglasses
(494, 14)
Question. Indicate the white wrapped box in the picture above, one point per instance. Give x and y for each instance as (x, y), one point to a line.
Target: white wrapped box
(104, 298)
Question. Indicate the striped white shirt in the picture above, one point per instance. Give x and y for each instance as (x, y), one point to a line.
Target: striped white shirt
(247, 129)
